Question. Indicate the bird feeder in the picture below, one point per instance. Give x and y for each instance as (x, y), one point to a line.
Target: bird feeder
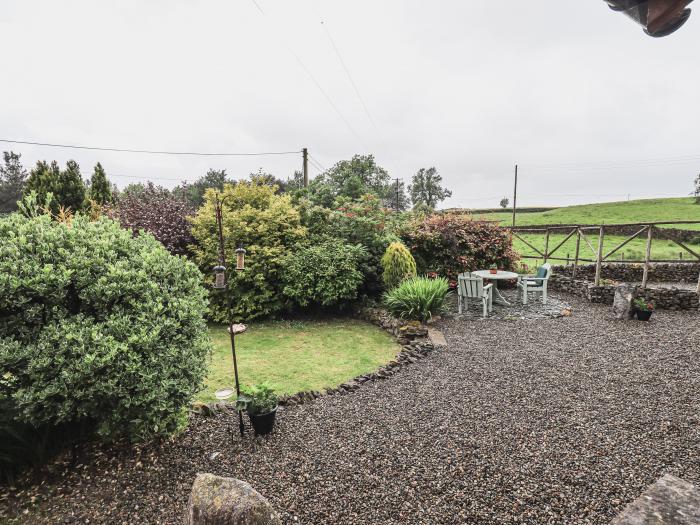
(219, 277)
(240, 258)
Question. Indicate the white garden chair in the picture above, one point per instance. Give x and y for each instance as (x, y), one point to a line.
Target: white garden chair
(535, 283)
(470, 286)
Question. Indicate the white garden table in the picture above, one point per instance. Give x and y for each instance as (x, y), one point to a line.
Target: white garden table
(495, 277)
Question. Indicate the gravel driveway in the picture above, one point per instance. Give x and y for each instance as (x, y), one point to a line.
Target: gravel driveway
(553, 421)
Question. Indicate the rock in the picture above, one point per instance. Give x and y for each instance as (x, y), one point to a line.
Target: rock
(215, 500)
(622, 304)
(669, 501)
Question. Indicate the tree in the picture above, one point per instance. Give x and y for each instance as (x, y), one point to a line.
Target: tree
(426, 188)
(67, 186)
(100, 191)
(504, 202)
(268, 179)
(696, 193)
(13, 177)
(352, 179)
(194, 193)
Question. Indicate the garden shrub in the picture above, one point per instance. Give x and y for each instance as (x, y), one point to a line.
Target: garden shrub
(267, 226)
(159, 212)
(448, 244)
(398, 264)
(418, 298)
(324, 274)
(99, 330)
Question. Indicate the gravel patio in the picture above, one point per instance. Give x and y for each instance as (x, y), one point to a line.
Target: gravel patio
(548, 421)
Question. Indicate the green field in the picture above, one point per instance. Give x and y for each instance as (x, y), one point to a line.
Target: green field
(651, 210)
(294, 356)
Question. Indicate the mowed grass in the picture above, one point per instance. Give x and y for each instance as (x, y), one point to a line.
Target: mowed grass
(295, 356)
(653, 210)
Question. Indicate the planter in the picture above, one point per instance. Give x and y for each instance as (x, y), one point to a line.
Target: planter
(644, 316)
(263, 423)
(494, 272)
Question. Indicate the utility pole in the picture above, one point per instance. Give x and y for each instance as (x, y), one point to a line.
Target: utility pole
(398, 201)
(305, 156)
(515, 193)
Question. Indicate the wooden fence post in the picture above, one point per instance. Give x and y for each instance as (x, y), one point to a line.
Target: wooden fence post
(599, 258)
(546, 245)
(647, 258)
(578, 246)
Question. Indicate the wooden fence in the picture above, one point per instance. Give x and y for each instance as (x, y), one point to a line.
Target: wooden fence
(582, 233)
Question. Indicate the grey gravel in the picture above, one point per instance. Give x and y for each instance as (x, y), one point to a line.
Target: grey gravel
(558, 421)
(534, 309)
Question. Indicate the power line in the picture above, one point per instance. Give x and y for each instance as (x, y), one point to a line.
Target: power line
(347, 72)
(660, 161)
(317, 163)
(151, 152)
(314, 80)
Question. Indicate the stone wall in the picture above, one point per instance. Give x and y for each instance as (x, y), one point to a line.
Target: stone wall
(663, 298)
(629, 273)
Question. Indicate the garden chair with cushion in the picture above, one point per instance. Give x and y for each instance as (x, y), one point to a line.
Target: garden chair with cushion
(535, 283)
(470, 286)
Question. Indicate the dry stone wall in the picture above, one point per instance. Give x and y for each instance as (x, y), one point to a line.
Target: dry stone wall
(664, 298)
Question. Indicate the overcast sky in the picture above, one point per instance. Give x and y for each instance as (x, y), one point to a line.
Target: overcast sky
(576, 94)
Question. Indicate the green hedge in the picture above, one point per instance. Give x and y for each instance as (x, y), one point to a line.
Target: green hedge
(98, 329)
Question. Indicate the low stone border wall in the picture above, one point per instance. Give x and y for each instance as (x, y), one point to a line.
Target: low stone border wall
(663, 298)
(658, 272)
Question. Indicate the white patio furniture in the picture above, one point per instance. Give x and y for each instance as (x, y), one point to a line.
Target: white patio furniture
(495, 277)
(470, 286)
(535, 283)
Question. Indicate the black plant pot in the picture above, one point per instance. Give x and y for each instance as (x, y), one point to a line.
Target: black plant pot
(644, 316)
(263, 423)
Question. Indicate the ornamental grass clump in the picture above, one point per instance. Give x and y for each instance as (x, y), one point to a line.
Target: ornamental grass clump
(398, 265)
(418, 298)
(101, 333)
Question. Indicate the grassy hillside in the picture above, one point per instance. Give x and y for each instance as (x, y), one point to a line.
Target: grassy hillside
(680, 209)
(652, 210)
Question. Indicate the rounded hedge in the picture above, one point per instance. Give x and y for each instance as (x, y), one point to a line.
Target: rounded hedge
(324, 274)
(97, 328)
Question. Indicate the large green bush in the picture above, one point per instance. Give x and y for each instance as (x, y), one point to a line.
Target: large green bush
(98, 329)
(364, 222)
(448, 244)
(418, 298)
(268, 226)
(324, 274)
(398, 264)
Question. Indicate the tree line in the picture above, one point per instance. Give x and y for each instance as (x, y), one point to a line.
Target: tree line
(58, 188)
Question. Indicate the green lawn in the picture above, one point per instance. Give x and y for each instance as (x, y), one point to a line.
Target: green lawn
(654, 210)
(296, 356)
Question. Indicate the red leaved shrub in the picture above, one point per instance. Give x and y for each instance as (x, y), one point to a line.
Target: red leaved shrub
(448, 244)
(157, 211)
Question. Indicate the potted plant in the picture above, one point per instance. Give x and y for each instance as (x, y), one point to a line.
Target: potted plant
(260, 402)
(493, 269)
(643, 308)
